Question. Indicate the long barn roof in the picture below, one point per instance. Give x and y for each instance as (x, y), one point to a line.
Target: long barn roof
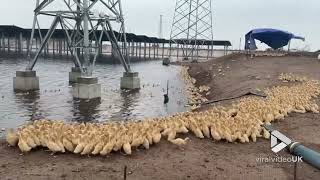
(13, 30)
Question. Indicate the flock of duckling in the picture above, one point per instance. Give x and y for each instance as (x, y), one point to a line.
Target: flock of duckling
(194, 93)
(240, 122)
(270, 54)
(290, 77)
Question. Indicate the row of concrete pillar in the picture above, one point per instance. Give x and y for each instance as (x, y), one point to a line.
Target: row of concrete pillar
(58, 47)
(82, 87)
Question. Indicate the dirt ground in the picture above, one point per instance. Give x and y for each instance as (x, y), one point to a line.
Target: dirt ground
(200, 159)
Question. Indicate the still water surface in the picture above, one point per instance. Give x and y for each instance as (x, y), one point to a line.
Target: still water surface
(54, 100)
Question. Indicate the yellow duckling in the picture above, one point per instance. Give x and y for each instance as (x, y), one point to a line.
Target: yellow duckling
(215, 135)
(107, 148)
(146, 144)
(179, 142)
(23, 145)
(29, 140)
(127, 148)
(12, 138)
(54, 147)
(68, 144)
(156, 138)
(99, 146)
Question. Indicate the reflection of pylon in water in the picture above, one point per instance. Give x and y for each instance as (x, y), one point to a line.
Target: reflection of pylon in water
(192, 26)
(83, 29)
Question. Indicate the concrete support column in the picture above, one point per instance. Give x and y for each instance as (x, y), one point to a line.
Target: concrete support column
(20, 43)
(1, 45)
(132, 49)
(158, 50)
(162, 51)
(154, 50)
(87, 88)
(149, 51)
(144, 50)
(74, 74)
(60, 47)
(28, 45)
(53, 46)
(139, 50)
(25, 81)
(130, 80)
(136, 49)
(9, 44)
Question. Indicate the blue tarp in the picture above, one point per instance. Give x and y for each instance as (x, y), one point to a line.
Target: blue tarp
(272, 37)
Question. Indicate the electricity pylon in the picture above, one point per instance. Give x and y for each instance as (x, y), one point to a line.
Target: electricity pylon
(83, 29)
(192, 26)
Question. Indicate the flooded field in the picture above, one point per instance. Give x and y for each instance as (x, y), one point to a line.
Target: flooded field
(54, 100)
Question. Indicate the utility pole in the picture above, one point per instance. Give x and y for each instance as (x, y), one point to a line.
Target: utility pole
(160, 27)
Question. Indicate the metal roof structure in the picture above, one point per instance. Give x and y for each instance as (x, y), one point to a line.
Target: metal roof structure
(12, 31)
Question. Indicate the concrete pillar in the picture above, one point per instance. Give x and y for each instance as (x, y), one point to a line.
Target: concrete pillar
(20, 43)
(149, 51)
(28, 45)
(130, 80)
(9, 49)
(53, 46)
(154, 50)
(139, 50)
(87, 88)
(60, 47)
(67, 49)
(1, 45)
(25, 81)
(74, 74)
(136, 49)
(158, 50)
(177, 51)
(162, 51)
(36, 46)
(132, 50)
(144, 50)
(15, 46)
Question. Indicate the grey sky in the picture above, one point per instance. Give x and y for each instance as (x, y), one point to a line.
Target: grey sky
(232, 18)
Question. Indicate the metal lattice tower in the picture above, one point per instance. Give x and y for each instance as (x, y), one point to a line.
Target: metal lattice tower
(83, 29)
(192, 25)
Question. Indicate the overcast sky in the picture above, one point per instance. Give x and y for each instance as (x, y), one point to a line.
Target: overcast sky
(231, 18)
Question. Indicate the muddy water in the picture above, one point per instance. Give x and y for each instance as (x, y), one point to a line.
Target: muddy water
(54, 100)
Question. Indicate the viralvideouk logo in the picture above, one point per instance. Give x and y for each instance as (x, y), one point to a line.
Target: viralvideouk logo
(279, 141)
